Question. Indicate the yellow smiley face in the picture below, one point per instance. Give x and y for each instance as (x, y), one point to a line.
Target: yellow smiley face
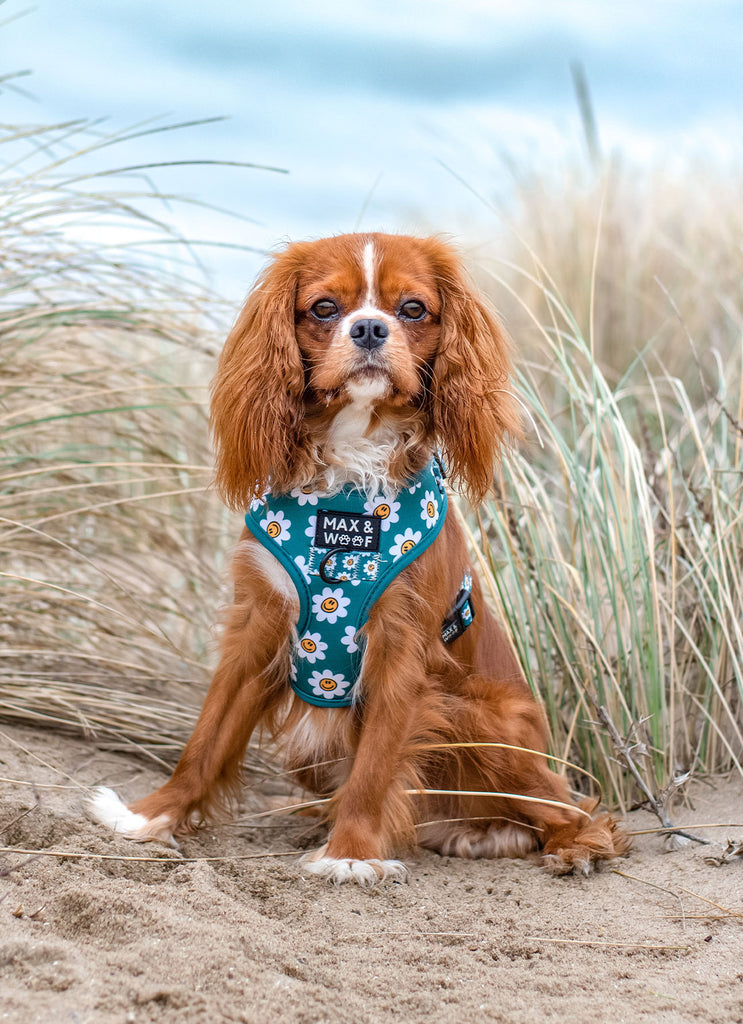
(382, 511)
(407, 546)
(328, 684)
(431, 510)
(329, 604)
(273, 529)
(309, 645)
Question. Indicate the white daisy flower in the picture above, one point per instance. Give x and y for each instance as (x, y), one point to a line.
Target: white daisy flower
(414, 488)
(328, 684)
(385, 508)
(371, 568)
(301, 563)
(277, 526)
(305, 495)
(430, 509)
(310, 531)
(330, 605)
(349, 640)
(404, 542)
(312, 648)
(258, 502)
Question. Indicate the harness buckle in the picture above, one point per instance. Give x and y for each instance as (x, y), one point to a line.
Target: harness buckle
(461, 616)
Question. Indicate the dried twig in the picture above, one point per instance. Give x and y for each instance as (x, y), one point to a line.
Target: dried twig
(658, 804)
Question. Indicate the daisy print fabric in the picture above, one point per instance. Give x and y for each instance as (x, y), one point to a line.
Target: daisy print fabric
(329, 685)
(330, 605)
(312, 648)
(430, 509)
(405, 542)
(277, 526)
(385, 508)
(341, 552)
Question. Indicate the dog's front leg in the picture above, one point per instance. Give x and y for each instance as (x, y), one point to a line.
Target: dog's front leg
(251, 677)
(371, 812)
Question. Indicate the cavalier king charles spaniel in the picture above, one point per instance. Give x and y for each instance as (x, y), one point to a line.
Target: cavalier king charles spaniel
(362, 369)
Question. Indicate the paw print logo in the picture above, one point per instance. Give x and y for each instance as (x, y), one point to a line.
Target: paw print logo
(277, 526)
(430, 509)
(330, 605)
(405, 542)
(312, 648)
(328, 684)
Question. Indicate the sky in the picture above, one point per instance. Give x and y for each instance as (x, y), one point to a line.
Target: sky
(386, 114)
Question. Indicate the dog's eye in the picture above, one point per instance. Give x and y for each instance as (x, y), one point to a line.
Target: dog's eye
(412, 310)
(324, 309)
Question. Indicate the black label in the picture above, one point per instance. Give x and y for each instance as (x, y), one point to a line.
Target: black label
(347, 531)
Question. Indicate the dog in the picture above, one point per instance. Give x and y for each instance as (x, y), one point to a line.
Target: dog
(362, 369)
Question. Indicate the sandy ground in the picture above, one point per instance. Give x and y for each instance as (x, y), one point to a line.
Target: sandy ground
(247, 938)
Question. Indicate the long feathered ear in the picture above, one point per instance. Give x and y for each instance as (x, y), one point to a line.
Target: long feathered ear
(256, 411)
(473, 407)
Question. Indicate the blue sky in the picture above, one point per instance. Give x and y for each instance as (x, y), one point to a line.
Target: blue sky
(371, 106)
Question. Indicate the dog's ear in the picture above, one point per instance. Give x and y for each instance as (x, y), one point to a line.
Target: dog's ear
(473, 408)
(256, 411)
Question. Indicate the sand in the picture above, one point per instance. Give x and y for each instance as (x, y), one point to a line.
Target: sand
(247, 938)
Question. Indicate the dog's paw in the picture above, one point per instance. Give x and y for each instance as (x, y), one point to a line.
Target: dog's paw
(567, 862)
(105, 807)
(366, 873)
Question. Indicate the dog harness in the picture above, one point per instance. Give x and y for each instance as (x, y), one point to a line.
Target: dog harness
(341, 552)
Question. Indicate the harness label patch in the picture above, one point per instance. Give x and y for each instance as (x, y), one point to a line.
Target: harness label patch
(347, 531)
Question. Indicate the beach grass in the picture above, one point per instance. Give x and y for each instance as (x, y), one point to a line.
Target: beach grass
(615, 545)
(110, 540)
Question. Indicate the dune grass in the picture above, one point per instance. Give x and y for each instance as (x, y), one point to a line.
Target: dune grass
(616, 545)
(613, 548)
(110, 541)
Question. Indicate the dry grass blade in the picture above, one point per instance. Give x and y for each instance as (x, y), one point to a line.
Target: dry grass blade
(506, 796)
(175, 859)
(527, 750)
(603, 943)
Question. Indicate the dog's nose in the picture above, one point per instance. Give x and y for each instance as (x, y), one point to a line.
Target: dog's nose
(369, 334)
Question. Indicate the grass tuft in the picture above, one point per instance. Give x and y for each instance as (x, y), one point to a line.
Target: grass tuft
(110, 539)
(616, 543)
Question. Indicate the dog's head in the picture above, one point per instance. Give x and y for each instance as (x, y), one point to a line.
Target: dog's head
(391, 317)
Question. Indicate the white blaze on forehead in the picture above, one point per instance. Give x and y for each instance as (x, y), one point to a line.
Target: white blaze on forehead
(369, 308)
(370, 267)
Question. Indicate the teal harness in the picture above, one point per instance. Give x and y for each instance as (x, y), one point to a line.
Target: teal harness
(341, 553)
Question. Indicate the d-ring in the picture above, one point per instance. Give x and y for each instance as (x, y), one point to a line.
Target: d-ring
(321, 567)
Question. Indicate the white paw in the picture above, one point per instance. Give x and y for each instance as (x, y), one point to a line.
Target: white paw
(106, 808)
(366, 873)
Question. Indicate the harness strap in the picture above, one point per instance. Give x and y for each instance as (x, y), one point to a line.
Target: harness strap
(460, 617)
